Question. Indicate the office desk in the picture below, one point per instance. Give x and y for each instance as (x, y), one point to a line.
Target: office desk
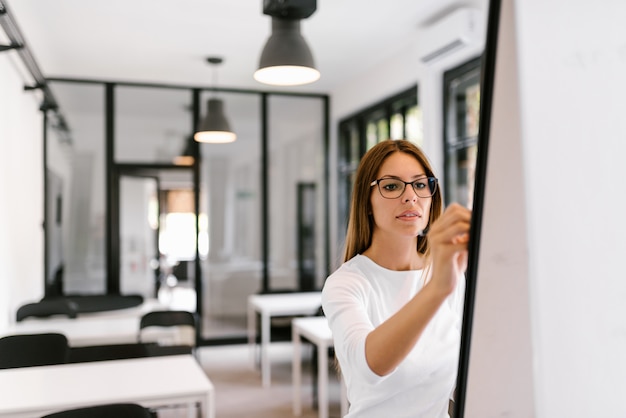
(31, 392)
(276, 304)
(316, 330)
(97, 328)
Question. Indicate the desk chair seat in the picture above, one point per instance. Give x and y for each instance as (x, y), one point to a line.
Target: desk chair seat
(122, 410)
(26, 350)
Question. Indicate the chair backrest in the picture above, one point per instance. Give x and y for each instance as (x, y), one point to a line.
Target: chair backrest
(25, 350)
(168, 328)
(125, 351)
(108, 352)
(102, 303)
(121, 410)
(47, 307)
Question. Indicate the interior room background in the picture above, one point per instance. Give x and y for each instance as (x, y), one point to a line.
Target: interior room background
(562, 114)
(228, 269)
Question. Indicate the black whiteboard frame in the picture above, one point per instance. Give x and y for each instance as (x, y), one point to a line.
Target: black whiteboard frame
(488, 73)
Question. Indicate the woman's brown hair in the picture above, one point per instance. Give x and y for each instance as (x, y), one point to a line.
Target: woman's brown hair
(360, 223)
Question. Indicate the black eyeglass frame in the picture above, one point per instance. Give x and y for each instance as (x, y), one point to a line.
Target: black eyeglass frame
(432, 186)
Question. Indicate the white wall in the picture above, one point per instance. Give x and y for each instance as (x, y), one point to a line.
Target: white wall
(565, 306)
(573, 134)
(21, 192)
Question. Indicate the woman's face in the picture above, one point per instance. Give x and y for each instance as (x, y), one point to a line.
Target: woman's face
(408, 214)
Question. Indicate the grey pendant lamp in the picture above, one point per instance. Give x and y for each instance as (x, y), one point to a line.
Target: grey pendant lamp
(214, 127)
(187, 157)
(286, 59)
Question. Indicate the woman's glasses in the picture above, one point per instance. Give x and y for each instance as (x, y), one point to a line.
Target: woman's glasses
(393, 188)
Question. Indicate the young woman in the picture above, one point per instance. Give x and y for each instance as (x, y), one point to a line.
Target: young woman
(395, 305)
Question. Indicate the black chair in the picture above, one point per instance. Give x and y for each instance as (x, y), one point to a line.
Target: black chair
(47, 307)
(124, 351)
(121, 410)
(107, 352)
(99, 303)
(25, 350)
(182, 325)
(181, 336)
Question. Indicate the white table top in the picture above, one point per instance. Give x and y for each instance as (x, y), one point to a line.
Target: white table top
(99, 328)
(152, 381)
(276, 304)
(314, 328)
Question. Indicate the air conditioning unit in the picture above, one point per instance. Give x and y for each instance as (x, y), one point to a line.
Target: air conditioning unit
(457, 29)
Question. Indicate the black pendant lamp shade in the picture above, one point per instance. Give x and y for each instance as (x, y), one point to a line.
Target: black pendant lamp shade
(286, 59)
(214, 127)
(188, 156)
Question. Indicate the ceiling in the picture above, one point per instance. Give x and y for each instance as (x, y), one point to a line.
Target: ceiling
(168, 41)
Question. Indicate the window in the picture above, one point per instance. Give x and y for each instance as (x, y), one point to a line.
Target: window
(397, 117)
(461, 103)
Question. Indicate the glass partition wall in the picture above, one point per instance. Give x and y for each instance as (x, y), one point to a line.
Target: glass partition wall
(201, 234)
(79, 169)
(231, 196)
(295, 193)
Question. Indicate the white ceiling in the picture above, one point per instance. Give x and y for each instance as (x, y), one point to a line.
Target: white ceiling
(168, 41)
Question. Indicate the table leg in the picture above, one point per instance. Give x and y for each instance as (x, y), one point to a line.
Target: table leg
(210, 404)
(322, 380)
(265, 345)
(252, 333)
(296, 371)
(344, 396)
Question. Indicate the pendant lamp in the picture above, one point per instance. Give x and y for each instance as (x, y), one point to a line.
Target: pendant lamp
(187, 157)
(214, 127)
(286, 59)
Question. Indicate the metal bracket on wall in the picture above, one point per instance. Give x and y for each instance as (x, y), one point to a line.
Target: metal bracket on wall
(35, 87)
(10, 47)
(17, 42)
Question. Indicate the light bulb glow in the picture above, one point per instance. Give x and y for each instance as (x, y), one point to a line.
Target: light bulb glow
(184, 160)
(286, 75)
(215, 137)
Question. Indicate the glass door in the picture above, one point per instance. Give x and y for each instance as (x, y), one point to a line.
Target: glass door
(139, 252)
(157, 235)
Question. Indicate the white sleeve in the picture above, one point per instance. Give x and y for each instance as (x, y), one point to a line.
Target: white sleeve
(344, 299)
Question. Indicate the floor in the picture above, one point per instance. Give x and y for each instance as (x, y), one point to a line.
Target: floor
(238, 389)
(235, 372)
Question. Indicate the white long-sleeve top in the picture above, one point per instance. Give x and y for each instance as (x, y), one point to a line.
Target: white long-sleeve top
(358, 297)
